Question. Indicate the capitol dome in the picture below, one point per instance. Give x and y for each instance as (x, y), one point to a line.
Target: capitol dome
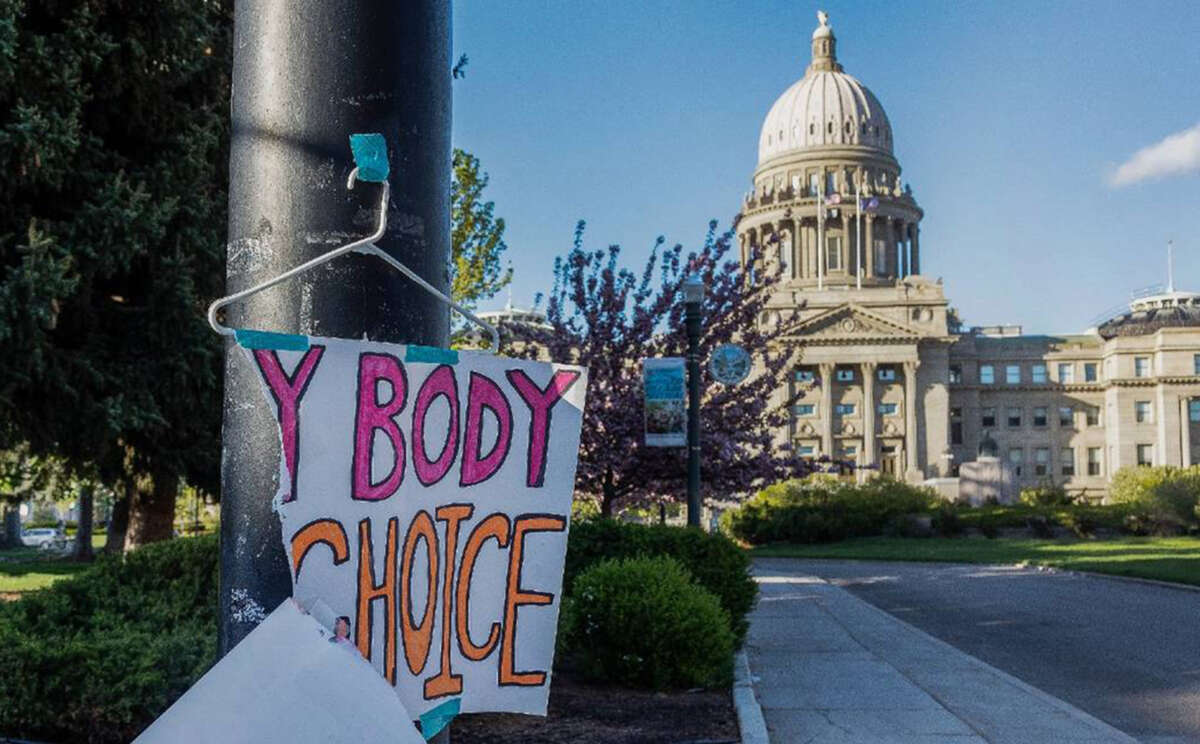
(825, 108)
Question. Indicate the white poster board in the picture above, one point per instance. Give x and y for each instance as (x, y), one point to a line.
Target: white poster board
(665, 400)
(425, 494)
(288, 682)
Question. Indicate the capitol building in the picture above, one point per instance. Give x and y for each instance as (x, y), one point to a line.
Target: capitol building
(887, 378)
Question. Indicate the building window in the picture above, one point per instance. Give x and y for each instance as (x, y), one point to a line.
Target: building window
(1016, 457)
(1196, 364)
(805, 409)
(987, 418)
(1093, 415)
(887, 374)
(887, 409)
(881, 267)
(955, 373)
(1141, 366)
(1141, 411)
(1145, 454)
(987, 374)
(1041, 461)
(1066, 417)
(1066, 373)
(1094, 461)
(1194, 409)
(1066, 460)
(956, 412)
(829, 189)
(956, 432)
(845, 374)
(844, 409)
(833, 252)
(806, 450)
(804, 375)
(1041, 416)
(1089, 372)
(1012, 374)
(850, 451)
(813, 179)
(1039, 373)
(1014, 418)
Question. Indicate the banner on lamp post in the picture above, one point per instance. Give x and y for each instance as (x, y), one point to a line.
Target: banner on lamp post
(665, 397)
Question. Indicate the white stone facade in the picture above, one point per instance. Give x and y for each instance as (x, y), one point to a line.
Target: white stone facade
(887, 378)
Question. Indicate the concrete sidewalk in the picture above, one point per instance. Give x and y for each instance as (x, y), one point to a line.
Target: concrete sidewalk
(828, 667)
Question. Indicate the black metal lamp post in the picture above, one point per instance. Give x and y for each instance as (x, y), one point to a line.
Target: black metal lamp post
(693, 296)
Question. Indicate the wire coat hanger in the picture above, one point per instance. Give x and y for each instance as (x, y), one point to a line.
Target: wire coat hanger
(370, 155)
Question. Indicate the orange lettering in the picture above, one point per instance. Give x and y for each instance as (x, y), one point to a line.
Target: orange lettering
(494, 526)
(418, 638)
(445, 682)
(515, 597)
(328, 531)
(369, 591)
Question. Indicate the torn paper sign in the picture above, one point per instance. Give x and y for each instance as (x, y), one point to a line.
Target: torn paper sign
(286, 681)
(425, 496)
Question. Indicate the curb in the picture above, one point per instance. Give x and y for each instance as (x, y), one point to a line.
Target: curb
(751, 725)
(1129, 579)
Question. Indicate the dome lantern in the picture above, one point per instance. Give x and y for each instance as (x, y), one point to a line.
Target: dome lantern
(824, 46)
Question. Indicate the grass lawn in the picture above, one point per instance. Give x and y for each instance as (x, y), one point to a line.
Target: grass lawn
(26, 569)
(1164, 558)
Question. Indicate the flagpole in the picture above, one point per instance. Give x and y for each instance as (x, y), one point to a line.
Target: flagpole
(858, 272)
(821, 231)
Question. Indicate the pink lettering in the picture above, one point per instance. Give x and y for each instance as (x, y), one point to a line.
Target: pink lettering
(373, 415)
(440, 382)
(482, 394)
(287, 392)
(541, 405)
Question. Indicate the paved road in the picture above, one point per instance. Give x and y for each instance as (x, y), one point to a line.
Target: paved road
(1127, 653)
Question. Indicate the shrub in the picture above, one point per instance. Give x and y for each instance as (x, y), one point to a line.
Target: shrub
(95, 658)
(946, 521)
(824, 511)
(716, 563)
(1046, 493)
(644, 622)
(1160, 499)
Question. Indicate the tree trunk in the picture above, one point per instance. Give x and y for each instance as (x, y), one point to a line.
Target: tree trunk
(608, 495)
(11, 536)
(118, 521)
(152, 511)
(83, 532)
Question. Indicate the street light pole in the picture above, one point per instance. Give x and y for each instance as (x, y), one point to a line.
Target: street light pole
(306, 75)
(693, 296)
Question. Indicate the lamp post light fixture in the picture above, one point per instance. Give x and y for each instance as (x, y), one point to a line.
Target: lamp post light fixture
(693, 296)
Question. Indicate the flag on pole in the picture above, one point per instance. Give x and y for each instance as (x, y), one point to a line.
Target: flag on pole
(871, 204)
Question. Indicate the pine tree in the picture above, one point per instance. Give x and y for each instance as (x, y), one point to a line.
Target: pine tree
(112, 221)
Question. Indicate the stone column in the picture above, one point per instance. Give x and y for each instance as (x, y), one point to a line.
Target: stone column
(868, 448)
(869, 243)
(826, 372)
(1185, 429)
(910, 414)
(916, 248)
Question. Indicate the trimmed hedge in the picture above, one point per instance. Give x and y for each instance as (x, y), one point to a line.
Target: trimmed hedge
(644, 622)
(97, 657)
(714, 560)
(821, 510)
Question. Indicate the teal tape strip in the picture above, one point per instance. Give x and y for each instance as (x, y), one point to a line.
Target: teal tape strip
(431, 355)
(370, 155)
(433, 721)
(268, 340)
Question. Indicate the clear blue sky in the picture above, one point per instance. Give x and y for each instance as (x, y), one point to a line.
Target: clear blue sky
(1008, 119)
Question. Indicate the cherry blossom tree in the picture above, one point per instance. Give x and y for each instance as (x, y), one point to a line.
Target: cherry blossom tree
(608, 318)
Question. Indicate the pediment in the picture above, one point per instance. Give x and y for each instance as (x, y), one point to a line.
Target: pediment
(852, 322)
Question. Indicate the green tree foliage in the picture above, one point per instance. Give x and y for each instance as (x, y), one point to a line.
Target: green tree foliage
(477, 235)
(113, 139)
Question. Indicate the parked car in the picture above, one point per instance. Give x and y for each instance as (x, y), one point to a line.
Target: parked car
(39, 537)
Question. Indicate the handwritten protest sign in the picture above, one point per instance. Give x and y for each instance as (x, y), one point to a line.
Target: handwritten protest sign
(425, 494)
